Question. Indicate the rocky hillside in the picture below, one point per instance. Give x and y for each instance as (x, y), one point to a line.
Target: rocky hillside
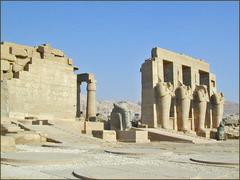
(230, 108)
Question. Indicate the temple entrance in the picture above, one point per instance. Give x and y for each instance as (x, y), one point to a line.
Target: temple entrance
(186, 73)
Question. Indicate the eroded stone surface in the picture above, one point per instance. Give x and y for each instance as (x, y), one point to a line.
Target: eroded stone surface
(121, 117)
(37, 83)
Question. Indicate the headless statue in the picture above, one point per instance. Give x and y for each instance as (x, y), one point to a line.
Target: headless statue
(120, 117)
(220, 131)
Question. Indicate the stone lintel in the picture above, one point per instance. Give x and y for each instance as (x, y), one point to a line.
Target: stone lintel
(86, 77)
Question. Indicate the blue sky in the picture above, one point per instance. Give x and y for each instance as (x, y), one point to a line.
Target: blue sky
(112, 39)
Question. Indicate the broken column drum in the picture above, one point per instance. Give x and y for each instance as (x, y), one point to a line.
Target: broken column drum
(200, 100)
(217, 101)
(163, 94)
(120, 117)
(91, 101)
(183, 97)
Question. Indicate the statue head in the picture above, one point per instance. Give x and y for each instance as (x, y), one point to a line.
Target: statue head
(201, 93)
(163, 89)
(217, 98)
(183, 92)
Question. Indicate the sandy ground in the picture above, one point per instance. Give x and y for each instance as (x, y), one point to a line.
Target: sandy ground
(87, 157)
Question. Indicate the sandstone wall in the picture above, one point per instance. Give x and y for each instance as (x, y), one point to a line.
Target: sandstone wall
(37, 81)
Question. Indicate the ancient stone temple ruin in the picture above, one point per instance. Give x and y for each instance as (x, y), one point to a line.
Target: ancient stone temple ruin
(40, 82)
(179, 93)
(91, 95)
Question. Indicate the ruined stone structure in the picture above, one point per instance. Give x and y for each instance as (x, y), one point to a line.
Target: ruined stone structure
(40, 82)
(91, 95)
(121, 117)
(179, 93)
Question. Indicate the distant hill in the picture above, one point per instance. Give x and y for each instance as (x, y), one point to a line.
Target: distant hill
(105, 107)
(230, 108)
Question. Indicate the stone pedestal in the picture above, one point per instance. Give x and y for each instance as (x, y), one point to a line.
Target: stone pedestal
(92, 126)
(108, 135)
(133, 136)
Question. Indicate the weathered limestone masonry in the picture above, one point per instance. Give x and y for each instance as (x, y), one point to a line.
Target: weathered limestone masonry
(179, 93)
(37, 81)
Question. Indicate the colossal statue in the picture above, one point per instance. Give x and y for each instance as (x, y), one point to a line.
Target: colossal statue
(183, 98)
(217, 101)
(200, 100)
(163, 94)
(120, 117)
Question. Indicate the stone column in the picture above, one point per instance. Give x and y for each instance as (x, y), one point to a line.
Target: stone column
(184, 96)
(217, 101)
(164, 92)
(78, 106)
(91, 101)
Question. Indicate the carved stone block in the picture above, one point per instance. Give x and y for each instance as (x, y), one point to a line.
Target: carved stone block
(19, 52)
